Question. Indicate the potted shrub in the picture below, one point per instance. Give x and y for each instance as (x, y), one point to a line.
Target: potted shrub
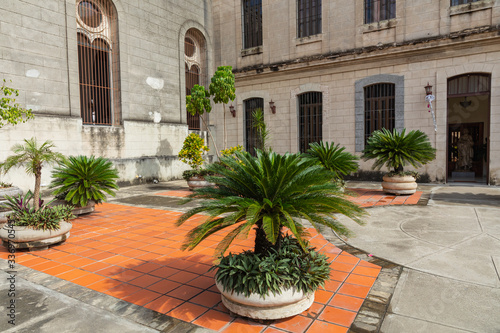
(83, 182)
(334, 158)
(38, 225)
(395, 150)
(11, 113)
(30, 228)
(191, 153)
(271, 194)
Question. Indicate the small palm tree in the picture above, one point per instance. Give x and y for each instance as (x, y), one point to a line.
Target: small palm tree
(270, 191)
(79, 179)
(32, 157)
(333, 158)
(396, 150)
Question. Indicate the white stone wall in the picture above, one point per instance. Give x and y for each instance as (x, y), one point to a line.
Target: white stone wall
(39, 54)
(427, 42)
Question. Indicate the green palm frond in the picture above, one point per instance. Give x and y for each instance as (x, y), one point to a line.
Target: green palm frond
(269, 191)
(334, 158)
(79, 179)
(396, 150)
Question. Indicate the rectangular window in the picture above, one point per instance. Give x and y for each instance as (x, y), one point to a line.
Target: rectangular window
(380, 108)
(308, 18)
(250, 136)
(252, 23)
(379, 10)
(310, 119)
(461, 2)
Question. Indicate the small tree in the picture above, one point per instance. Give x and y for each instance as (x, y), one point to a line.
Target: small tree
(222, 90)
(32, 157)
(192, 150)
(261, 131)
(10, 111)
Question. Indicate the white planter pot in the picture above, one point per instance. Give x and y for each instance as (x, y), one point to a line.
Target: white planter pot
(288, 303)
(29, 238)
(399, 184)
(197, 182)
(78, 210)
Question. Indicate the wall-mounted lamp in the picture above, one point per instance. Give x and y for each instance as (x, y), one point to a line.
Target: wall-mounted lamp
(233, 111)
(272, 106)
(428, 89)
(465, 103)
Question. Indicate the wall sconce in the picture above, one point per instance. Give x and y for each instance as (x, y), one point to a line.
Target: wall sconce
(233, 111)
(465, 103)
(428, 89)
(272, 106)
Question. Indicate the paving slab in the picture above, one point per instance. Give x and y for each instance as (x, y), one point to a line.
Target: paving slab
(427, 303)
(39, 309)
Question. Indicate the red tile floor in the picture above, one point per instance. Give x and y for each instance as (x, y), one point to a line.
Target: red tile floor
(134, 254)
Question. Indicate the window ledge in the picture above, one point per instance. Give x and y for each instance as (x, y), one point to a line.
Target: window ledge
(471, 7)
(308, 39)
(378, 26)
(251, 51)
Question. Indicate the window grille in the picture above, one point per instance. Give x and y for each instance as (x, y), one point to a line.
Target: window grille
(194, 57)
(469, 84)
(252, 23)
(98, 63)
(310, 119)
(251, 105)
(308, 18)
(379, 10)
(380, 110)
(461, 2)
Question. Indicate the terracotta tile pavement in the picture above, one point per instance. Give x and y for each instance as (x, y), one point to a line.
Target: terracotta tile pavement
(363, 197)
(134, 254)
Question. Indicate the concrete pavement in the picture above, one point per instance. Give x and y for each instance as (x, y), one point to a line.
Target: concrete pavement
(450, 250)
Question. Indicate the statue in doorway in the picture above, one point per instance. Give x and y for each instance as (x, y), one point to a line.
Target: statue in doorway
(465, 151)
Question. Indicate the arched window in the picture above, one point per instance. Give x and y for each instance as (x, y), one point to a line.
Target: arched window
(195, 72)
(251, 105)
(310, 119)
(98, 62)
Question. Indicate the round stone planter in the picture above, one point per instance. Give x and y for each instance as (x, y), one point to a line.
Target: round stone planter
(12, 191)
(29, 238)
(399, 184)
(78, 210)
(197, 182)
(287, 304)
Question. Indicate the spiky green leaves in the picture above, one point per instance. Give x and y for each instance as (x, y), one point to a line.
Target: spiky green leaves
(81, 178)
(333, 158)
(271, 190)
(396, 150)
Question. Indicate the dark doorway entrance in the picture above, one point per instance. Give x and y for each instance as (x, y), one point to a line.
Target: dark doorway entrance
(468, 128)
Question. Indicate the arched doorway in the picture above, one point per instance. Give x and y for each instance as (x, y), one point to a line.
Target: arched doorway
(468, 125)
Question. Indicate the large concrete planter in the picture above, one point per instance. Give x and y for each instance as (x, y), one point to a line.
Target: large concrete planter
(12, 191)
(197, 182)
(78, 210)
(399, 184)
(29, 238)
(287, 304)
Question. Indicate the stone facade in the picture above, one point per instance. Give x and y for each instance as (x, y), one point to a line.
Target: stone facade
(39, 55)
(426, 42)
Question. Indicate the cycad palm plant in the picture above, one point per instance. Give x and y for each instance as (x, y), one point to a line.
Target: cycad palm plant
(269, 191)
(334, 158)
(396, 150)
(79, 179)
(32, 157)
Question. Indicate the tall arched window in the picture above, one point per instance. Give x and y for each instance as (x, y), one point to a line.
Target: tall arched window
(251, 105)
(310, 119)
(98, 62)
(194, 57)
